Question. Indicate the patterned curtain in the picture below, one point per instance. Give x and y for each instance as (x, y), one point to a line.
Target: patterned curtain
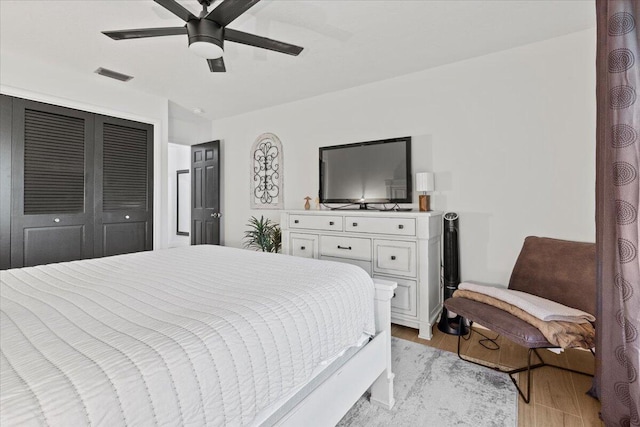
(617, 382)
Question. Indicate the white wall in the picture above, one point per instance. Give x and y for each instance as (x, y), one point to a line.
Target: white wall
(32, 79)
(179, 159)
(510, 136)
(186, 127)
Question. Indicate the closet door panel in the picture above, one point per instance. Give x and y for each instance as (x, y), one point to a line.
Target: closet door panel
(6, 114)
(52, 184)
(44, 245)
(123, 238)
(124, 177)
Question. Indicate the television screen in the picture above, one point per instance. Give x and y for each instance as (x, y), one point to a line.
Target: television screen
(367, 172)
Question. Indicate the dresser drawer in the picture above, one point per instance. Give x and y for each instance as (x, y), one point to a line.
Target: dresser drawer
(303, 245)
(394, 257)
(346, 247)
(365, 265)
(378, 225)
(319, 222)
(405, 300)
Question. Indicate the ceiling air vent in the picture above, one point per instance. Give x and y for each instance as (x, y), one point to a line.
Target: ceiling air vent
(113, 74)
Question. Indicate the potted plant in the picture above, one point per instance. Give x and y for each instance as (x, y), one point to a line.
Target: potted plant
(263, 234)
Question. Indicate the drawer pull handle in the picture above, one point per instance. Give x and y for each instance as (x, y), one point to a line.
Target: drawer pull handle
(393, 257)
(394, 295)
(56, 220)
(400, 226)
(302, 248)
(295, 221)
(331, 222)
(355, 224)
(126, 217)
(344, 247)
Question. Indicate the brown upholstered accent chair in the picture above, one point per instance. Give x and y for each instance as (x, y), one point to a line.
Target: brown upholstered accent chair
(559, 270)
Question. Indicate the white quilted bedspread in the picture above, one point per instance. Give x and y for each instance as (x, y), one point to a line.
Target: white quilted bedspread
(203, 335)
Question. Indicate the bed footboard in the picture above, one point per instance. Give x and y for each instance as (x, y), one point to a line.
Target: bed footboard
(382, 388)
(370, 368)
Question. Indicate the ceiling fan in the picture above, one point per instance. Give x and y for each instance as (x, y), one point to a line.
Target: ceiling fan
(208, 31)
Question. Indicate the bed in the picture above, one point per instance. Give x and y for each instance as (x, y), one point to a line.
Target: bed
(202, 335)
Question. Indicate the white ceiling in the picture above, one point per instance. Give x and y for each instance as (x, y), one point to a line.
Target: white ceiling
(347, 43)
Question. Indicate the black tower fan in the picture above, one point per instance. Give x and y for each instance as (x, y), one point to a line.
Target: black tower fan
(451, 325)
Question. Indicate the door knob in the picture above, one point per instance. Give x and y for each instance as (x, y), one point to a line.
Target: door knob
(126, 217)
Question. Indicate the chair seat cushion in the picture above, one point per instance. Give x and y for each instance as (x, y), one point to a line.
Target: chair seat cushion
(498, 321)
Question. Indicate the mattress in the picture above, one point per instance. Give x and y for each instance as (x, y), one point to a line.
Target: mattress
(203, 335)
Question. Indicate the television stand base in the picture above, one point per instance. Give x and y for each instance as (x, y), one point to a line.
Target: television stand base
(355, 207)
(367, 207)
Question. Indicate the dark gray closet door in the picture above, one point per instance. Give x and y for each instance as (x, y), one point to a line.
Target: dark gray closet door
(205, 193)
(52, 187)
(6, 114)
(124, 186)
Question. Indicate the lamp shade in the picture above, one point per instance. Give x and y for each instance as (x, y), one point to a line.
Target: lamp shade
(425, 181)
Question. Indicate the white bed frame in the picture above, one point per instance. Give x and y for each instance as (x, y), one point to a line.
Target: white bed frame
(368, 369)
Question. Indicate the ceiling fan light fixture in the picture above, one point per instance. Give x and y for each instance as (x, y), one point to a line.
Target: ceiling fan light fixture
(206, 49)
(208, 31)
(205, 38)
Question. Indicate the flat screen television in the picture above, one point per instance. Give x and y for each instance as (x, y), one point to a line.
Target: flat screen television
(366, 172)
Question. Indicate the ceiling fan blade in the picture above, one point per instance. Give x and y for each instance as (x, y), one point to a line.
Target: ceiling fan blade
(177, 9)
(262, 42)
(145, 32)
(216, 65)
(227, 11)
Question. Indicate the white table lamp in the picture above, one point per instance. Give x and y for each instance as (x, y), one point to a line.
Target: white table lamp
(425, 182)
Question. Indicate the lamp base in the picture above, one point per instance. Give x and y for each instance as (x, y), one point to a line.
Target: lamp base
(424, 201)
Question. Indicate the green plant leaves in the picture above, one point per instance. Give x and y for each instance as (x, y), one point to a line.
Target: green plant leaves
(263, 234)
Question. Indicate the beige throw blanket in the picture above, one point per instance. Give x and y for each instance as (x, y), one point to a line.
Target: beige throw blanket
(559, 333)
(542, 308)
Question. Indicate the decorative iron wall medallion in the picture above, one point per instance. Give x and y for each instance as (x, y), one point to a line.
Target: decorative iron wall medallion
(266, 173)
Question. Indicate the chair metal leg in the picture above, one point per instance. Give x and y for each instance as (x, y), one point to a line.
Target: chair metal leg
(526, 398)
(528, 368)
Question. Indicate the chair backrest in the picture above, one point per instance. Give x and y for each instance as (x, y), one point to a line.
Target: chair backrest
(559, 270)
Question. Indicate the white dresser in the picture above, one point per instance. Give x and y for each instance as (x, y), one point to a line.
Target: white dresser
(399, 246)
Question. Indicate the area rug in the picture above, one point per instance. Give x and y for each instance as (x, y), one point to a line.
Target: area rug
(435, 388)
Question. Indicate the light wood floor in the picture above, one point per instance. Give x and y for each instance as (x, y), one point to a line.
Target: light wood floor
(558, 397)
